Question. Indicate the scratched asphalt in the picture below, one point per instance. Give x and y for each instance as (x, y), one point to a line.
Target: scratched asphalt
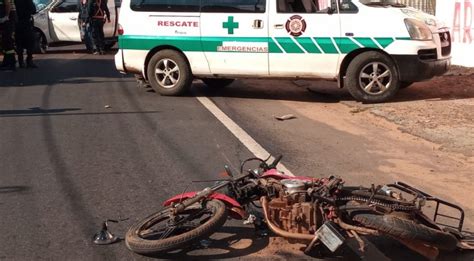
(80, 143)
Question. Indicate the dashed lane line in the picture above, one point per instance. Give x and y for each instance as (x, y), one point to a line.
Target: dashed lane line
(238, 132)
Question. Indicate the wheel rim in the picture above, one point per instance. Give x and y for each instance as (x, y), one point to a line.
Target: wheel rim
(169, 225)
(375, 78)
(167, 73)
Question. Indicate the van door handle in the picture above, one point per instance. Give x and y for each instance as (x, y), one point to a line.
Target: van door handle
(257, 24)
(278, 26)
(73, 18)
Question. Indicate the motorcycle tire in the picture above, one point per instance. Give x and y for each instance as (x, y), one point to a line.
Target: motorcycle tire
(140, 245)
(408, 229)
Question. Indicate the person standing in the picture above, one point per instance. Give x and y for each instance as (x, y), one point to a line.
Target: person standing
(98, 13)
(7, 25)
(24, 35)
(84, 20)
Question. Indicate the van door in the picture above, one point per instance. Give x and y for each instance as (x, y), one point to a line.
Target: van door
(234, 36)
(63, 21)
(303, 35)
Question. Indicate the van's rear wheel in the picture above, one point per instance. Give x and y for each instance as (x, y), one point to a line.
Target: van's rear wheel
(169, 73)
(372, 77)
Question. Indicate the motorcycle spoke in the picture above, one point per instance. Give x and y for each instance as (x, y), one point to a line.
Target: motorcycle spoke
(167, 232)
(186, 221)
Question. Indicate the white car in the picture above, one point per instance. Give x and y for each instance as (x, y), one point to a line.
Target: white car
(57, 21)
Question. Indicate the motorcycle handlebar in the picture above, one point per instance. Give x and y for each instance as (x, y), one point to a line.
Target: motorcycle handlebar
(275, 162)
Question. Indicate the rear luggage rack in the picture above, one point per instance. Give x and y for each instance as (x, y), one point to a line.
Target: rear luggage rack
(439, 202)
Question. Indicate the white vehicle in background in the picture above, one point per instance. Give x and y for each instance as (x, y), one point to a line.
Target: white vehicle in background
(371, 47)
(57, 22)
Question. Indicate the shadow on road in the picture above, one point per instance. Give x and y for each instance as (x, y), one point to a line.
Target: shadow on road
(328, 92)
(13, 189)
(85, 69)
(227, 242)
(274, 90)
(36, 110)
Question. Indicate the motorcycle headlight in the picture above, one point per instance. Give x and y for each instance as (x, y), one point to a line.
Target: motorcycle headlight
(418, 30)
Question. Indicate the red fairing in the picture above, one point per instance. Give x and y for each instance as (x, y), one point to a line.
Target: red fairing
(179, 198)
(236, 209)
(273, 173)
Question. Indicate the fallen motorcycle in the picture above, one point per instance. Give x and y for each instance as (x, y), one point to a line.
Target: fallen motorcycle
(313, 211)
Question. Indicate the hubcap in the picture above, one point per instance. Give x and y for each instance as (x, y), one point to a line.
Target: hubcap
(375, 78)
(167, 73)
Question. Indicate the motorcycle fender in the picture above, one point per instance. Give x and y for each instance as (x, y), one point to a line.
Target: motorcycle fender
(236, 210)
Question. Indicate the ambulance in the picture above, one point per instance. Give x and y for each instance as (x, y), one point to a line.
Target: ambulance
(371, 47)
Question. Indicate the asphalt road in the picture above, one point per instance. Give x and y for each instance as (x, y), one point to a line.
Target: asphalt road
(80, 143)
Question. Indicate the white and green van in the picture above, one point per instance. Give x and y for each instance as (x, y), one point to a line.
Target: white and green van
(371, 47)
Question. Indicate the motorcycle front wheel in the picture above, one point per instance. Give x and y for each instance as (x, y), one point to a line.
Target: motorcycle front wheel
(163, 231)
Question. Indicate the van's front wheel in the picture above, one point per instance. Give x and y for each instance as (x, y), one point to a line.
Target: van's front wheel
(372, 77)
(169, 73)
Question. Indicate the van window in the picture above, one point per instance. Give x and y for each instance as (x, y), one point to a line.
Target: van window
(302, 6)
(233, 6)
(346, 6)
(66, 6)
(165, 5)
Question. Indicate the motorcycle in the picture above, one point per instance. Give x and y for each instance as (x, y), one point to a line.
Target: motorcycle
(320, 212)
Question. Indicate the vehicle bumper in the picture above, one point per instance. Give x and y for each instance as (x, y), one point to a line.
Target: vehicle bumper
(414, 69)
(119, 61)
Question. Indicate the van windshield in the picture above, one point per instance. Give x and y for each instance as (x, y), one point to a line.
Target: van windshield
(393, 3)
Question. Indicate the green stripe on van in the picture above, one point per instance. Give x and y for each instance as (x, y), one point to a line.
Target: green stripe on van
(326, 44)
(308, 44)
(384, 41)
(132, 42)
(273, 47)
(288, 45)
(345, 44)
(366, 42)
(211, 44)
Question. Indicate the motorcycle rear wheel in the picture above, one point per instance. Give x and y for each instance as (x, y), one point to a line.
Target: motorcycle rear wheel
(142, 239)
(408, 229)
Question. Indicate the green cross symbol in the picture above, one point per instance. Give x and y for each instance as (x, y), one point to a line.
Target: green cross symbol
(230, 25)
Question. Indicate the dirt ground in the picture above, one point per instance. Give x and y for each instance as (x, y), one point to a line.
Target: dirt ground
(443, 115)
(426, 133)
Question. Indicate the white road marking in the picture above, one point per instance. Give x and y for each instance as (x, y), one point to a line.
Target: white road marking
(238, 132)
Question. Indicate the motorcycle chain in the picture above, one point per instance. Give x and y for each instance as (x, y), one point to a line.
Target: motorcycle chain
(394, 207)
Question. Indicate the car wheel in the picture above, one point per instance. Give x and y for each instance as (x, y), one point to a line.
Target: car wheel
(169, 73)
(372, 77)
(41, 45)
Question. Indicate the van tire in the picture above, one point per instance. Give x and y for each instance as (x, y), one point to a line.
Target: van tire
(362, 73)
(169, 73)
(217, 82)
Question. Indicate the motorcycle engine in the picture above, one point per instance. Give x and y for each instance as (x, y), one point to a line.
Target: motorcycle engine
(292, 210)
